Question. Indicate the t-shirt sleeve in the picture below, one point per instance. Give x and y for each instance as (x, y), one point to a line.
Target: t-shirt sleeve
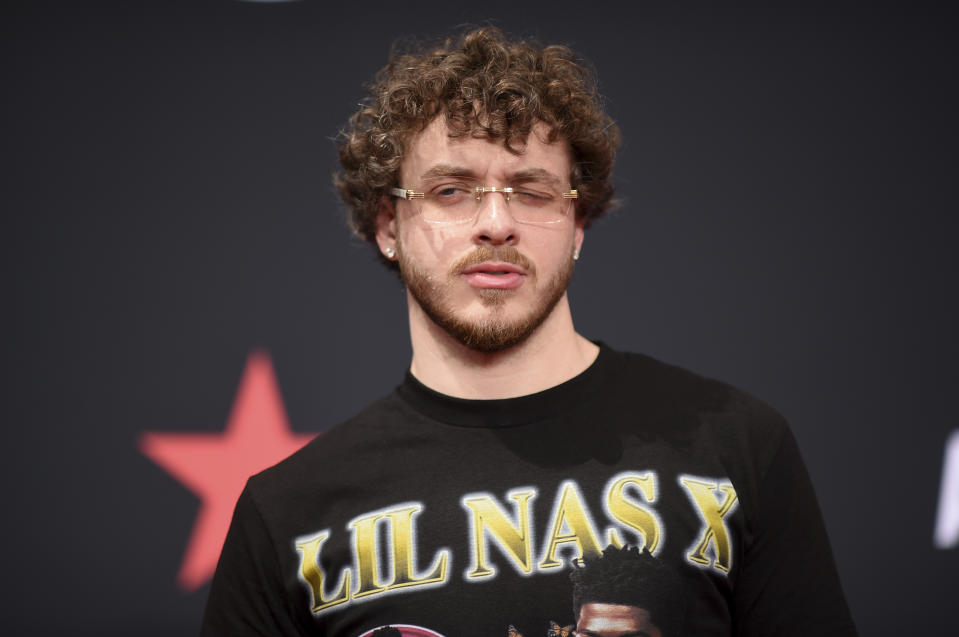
(247, 596)
(789, 584)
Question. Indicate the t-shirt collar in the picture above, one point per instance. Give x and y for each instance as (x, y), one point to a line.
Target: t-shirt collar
(508, 412)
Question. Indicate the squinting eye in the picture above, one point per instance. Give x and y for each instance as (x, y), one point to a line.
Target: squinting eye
(533, 194)
(533, 197)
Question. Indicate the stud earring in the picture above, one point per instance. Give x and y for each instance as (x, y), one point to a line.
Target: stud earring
(576, 255)
(390, 253)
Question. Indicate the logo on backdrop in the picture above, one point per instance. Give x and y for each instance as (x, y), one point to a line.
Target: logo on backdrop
(216, 466)
(947, 519)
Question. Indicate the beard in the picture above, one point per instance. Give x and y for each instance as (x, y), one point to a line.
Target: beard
(496, 332)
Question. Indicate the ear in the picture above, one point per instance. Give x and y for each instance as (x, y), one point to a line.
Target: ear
(386, 228)
(578, 235)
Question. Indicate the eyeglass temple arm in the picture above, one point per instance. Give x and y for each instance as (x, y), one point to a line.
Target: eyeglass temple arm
(403, 193)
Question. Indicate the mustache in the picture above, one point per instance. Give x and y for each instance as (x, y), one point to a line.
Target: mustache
(505, 254)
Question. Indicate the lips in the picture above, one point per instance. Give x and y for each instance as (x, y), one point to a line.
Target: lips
(494, 275)
(494, 267)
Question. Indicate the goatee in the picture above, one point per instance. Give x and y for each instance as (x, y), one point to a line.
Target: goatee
(495, 333)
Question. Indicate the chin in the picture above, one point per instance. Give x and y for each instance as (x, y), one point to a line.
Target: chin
(486, 320)
(492, 297)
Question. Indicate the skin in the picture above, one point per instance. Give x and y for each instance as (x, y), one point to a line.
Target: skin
(615, 620)
(553, 352)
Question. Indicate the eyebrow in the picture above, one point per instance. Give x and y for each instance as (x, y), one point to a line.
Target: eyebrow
(447, 170)
(534, 174)
(521, 176)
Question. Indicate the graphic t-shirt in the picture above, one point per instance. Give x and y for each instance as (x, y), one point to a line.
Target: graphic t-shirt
(439, 516)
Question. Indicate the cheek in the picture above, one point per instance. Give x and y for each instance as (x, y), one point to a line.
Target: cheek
(432, 243)
(552, 251)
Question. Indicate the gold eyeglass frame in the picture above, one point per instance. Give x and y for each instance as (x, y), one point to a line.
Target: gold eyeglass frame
(478, 191)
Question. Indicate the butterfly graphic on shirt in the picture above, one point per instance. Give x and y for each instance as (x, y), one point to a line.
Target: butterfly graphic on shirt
(555, 630)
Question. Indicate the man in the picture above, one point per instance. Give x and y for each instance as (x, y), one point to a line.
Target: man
(627, 593)
(514, 446)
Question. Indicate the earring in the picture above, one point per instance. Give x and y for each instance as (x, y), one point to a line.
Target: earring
(576, 255)
(390, 253)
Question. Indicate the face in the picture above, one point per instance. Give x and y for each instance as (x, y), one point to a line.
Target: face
(615, 620)
(492, 281)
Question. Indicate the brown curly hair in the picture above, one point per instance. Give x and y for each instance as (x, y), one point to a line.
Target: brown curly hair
(488, 87)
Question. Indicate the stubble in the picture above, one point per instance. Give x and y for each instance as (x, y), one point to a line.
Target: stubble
(496, 332)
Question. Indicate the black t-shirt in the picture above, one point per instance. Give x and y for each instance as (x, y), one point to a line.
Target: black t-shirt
(461, 518)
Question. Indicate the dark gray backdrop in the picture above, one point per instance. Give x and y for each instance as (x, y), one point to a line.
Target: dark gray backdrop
(789, 185)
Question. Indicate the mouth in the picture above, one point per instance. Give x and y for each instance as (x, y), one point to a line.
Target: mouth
(494, 275)
(494, 267)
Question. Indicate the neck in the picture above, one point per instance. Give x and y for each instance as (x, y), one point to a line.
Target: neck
(551, 355)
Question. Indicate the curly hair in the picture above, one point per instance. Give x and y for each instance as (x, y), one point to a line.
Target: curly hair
(631, 577)
(487, 87)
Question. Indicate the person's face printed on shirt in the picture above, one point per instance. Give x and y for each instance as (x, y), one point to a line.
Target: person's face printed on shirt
(615, 620)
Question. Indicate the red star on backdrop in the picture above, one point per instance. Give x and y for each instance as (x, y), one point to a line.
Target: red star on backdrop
(216, 466)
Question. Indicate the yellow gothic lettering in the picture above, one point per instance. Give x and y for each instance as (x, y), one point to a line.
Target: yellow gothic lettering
(402, 540)
(314, 577)
(365, 555)
(713, 513)
(570, 513)
(489, 518)
(624, 509)
(404, 543)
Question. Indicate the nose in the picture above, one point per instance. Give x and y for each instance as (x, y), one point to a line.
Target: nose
(494, 224)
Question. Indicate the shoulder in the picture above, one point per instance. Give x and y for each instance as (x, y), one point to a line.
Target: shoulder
(696, 411)
(331, 460)
(665, 388)
(716, 427)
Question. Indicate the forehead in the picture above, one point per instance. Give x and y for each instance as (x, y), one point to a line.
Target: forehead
(482, 158)
(615, 619)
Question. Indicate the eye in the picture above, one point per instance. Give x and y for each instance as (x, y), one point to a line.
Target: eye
(449, 194)
(534, 197)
